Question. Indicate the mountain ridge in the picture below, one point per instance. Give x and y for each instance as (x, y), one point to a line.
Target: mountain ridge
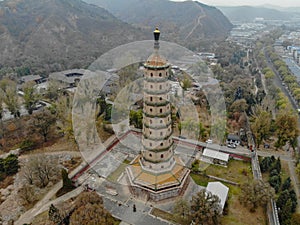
(182, 22)
(249, 13)
(58, 34)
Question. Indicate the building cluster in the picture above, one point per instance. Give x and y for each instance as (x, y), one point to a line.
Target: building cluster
(293, 49)
(295, 52)
(246, 33)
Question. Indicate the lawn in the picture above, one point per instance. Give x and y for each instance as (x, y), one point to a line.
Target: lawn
(199, 179)
(236, 171)
(239, 172)
(237, 214)
(113, 177)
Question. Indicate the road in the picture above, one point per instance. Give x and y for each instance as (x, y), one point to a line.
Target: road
(295, 69)
(278, 82)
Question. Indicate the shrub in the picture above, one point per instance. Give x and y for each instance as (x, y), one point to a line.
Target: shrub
(27, 145)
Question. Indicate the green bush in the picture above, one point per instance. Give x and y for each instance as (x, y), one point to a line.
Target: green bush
(27, 145)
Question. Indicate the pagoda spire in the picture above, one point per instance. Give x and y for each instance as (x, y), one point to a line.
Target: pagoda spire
(156, 33)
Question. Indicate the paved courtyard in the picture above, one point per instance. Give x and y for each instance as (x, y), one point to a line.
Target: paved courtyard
(117, 198)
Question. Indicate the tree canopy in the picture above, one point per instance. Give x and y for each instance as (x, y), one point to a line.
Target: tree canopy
(205, 208)
(89, 210)
(256, 193)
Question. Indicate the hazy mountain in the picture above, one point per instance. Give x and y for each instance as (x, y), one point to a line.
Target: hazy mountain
(249, 13)
(187, 23)
(283, 9)
(47, 35)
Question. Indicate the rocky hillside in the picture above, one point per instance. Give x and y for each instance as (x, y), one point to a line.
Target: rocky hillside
(50, 35)
(187, 23)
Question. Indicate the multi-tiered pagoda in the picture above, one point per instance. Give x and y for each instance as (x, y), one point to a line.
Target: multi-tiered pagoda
(157, 173)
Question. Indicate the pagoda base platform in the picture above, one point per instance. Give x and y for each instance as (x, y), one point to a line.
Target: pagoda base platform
(157, 186)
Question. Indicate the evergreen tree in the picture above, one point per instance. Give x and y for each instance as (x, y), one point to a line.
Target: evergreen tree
(286, 213)
(11, 164)
(67, 182)
(54, 214)
(287, 184)
(275, 182)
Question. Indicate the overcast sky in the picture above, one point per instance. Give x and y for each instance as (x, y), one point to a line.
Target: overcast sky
(282, 3)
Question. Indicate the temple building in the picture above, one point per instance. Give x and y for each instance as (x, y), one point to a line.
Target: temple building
(157, 173)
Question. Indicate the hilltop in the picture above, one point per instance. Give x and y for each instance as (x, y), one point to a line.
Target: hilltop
(188, 23)
(51, 35)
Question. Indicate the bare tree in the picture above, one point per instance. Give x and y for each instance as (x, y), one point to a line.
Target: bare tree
(27, 194)
(28, 173)
(43, 123)
(41, 169)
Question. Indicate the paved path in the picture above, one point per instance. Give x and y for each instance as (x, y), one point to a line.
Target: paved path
(45, 203)
(72, 153)
(198, 22)
(296, 182)
(29, 215)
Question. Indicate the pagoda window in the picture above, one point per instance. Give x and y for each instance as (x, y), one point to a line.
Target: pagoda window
(160, 74)
(151, 74)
